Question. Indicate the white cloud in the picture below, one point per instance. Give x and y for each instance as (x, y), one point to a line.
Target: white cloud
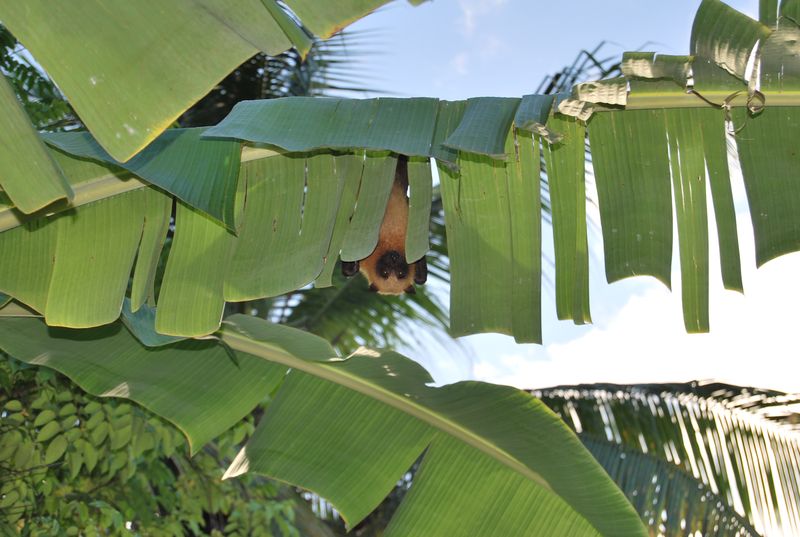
(471, 10)
(460, 63)
(492, 47)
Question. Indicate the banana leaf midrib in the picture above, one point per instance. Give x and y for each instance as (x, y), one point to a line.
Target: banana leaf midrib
(274, 354)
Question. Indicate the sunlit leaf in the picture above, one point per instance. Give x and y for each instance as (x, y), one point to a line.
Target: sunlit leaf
(88, 48)
(307, 123)
(769, 160)
(28, 174)
(565, 176)
(157, 209)
(722, 39)
(631, 166)
(191, 298)
(74, 267)
(484, 127)
(493, 242)
(325, 20)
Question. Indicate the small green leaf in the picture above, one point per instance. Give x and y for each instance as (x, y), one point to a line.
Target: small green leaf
(118, 460)
(74, 462)
(23, 454)
(67, 410)
(9, 443)
(13, 406)
(96, 419)
(55, 449)
(120, 437)
(9, 499)
(48, 431)
(99, 433)
(45, 416)
(90, 457)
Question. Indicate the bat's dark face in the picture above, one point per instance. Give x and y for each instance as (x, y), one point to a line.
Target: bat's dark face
(388, 273)
(392, 263)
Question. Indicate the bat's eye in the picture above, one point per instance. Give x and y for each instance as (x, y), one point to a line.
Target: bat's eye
(384, 273)
(401, 274)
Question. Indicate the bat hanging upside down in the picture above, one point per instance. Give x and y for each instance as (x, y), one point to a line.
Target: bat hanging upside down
(386, 268)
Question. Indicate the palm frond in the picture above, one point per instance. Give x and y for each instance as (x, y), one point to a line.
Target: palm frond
(668, 499)
(741, 443)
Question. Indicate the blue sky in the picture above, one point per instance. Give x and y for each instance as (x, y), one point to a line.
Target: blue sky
(454, 49)
(464, 48)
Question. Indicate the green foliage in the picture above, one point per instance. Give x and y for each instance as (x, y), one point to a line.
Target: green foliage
(350, 428)
(73, 464)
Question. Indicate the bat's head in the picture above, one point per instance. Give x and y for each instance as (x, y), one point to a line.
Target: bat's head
(388, 272)
(393, 275)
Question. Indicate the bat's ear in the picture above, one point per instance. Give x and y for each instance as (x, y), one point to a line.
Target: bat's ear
(421, 271)
(410, 290)
(349, 268)
(373, 288)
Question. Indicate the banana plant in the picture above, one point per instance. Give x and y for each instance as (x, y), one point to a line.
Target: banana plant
(271, 196)
(651, 140)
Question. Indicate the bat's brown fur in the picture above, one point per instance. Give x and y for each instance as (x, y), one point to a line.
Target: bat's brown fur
(392, 238)
(386, 268)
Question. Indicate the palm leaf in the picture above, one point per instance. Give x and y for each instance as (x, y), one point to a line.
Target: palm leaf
(667, 498)
(738, 443)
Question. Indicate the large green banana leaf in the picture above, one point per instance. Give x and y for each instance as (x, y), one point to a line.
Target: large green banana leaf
(130, 69)
(683, 448)
(348, 429)
(306, 192)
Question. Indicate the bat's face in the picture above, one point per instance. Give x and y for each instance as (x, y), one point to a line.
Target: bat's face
(388, 273)
(393, 275)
